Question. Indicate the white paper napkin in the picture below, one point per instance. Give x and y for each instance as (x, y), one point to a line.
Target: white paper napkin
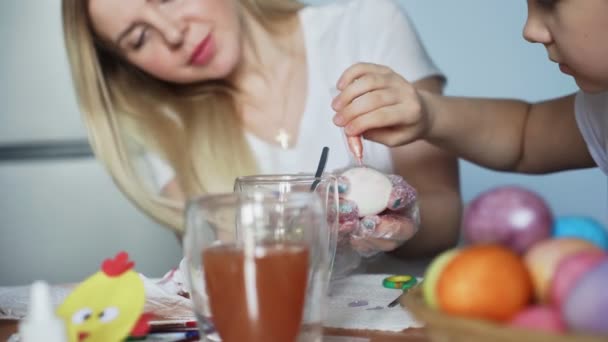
(360, 302)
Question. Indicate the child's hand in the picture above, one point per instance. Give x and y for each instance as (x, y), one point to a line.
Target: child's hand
(386, 231)
(379, 104)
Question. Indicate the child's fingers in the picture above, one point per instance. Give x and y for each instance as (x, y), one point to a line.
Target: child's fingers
(392, 136)
(366, 83)
(366, 103)
(383, 117)
(357, 70)
(385, 136)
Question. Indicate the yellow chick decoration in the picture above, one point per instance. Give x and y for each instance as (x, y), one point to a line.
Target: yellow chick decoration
(107, 307)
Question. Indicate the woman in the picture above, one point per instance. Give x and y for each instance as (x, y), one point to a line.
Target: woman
(201, 91)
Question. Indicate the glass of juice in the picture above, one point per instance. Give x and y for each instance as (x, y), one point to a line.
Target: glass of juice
(258, 265)
(343, 259)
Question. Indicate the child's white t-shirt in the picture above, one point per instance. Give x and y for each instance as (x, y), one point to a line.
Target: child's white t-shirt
(337, 35)
(592, 119)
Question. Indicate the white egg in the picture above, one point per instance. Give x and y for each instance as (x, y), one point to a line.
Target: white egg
(369, 189)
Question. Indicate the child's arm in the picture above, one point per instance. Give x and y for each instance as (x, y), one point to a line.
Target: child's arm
(505, 135)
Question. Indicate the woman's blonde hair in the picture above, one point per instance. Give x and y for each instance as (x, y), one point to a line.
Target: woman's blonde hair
(194, 128)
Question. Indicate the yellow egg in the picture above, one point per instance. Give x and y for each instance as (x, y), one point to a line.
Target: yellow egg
(544, 257)
(431, 276)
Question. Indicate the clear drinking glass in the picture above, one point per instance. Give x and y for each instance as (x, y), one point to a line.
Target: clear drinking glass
(258, 266)
(343, 259)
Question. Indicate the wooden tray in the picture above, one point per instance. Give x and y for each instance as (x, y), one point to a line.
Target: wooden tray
(443, 328)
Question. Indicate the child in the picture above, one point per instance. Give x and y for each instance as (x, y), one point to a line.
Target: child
(559, 134)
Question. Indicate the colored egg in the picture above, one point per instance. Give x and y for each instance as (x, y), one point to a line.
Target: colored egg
(584, 228)
(484, 281)
(431, 276)
(542, 318)
(586, 308)
(543, 258)
(508, 215)
(570, 270)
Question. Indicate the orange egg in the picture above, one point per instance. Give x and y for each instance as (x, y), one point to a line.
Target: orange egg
(485, 281)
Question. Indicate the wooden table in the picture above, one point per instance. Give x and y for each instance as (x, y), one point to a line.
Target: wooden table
(7, 328)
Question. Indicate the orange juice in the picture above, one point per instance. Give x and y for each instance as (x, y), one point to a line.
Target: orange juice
(257, 296)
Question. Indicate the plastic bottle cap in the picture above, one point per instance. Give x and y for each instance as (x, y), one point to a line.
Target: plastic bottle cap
(41, 323)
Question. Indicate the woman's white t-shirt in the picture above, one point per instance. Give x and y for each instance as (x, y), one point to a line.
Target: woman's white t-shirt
(592, 119)
(337, 35)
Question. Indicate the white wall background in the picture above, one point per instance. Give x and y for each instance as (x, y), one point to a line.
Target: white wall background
(59, 219)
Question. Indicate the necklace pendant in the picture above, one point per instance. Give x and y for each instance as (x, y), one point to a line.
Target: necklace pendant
(283, 138)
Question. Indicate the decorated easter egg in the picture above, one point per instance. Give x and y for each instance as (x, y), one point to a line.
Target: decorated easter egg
(484, 281)
(368, 189)
(429, 285)
(585, 228)
(586, 308)
(570, 270)
(508, 215)
(543, 258)
(542, 318)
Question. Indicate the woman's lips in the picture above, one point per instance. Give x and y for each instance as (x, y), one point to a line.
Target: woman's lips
(203, 52)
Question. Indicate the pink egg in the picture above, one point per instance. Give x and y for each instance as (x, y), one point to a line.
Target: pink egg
(586, 308)
(512, 216)
(541, 318)
(569, 271)
(543, 258)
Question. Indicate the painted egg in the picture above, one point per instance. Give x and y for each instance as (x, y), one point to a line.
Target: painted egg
(543, 258)
(511, 216)
(586, 308)
(584, 228)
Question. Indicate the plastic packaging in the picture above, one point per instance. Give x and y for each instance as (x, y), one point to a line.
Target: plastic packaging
(41, 323)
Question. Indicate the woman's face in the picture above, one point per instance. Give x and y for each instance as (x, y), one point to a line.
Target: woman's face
(181, 41)
(574, 34)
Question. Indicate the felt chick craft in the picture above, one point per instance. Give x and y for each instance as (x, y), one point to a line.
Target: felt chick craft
(108, 305)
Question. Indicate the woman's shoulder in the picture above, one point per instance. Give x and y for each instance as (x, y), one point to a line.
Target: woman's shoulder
(347, 13)
(344, 32)
(344, 26)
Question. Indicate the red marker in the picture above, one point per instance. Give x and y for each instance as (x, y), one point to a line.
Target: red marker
(172, 325)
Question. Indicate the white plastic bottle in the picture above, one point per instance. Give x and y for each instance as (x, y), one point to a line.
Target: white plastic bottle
(41, 323)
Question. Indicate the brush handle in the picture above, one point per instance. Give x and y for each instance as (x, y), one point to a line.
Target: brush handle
(355, 145)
